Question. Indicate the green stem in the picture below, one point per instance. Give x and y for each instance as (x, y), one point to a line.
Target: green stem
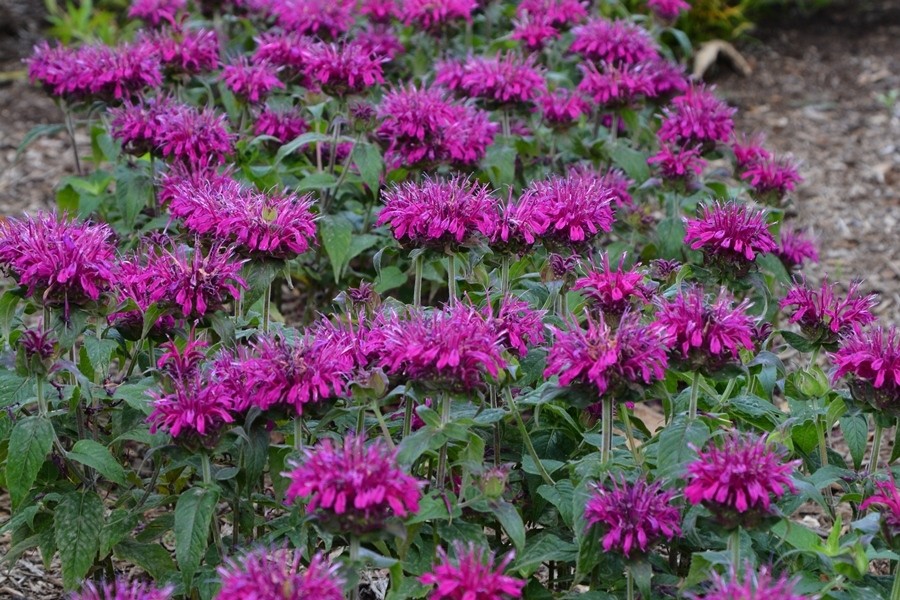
(504, 275)
(70, 129)
(267, 308)
(734, 547)
(497, 441)
(442, 457)
(895, 590)
(408, 416)
(632, 443)
(630, 583)
(417, 290)
(507, 130)
(385, 432)
(298, 434)
(823, 459)
(695, 390)
(41, 400)
(606, 428)
(206, 469)
(354, 559)
(527, 438)
(876, 448)
(451, 278)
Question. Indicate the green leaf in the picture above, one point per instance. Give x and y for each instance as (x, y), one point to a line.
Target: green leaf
(500, 164)
(633, 162)
(368, 160)
(135, 394)
(26, 515)
(29, 444)
(77, 524)
(99, 352)
(316, 181)
(675, 443)
(856, 433)
(118, 525)
(153, 558)
(415, 445)
(389, 278)
(796, 535)
(193, 515)
(797, 342)
(14, 388)
(134, 191)
(755, 410)
(39, 131)
(542, 548)
(511, 521)
(298, 142)
(671, 238)
(560, 495)
(9, 301)
(337, 235)
(361, 243)
(97, 456)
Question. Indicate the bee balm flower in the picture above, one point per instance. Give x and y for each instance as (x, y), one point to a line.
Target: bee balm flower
(871, 359)
(474, 575)
(275, 574)
(122, 590)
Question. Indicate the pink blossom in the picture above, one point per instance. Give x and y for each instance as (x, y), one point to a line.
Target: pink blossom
(282, 124)
(321, 18)
(668, 10)
(357, 487)
(886, 497)
(138, 126)
(517, 324)
(796, 247)
(823, 315)
(614, 290)
(195, 138)
(265, 574)
(345, 69)
(287, 49)
(750, 585)
(871, 359)
(380, 11)
(613, 42)
(634, 353)
(732, 231)
(502, 79)
(615, 86)
(192, 408)
(522, 223)
(432, 15)
(634, 516)
(561, 107)
(534, 31)
(379, 42)
(38, 344)
(130, 284)
(473, 575)
(185, 51)
(251, 81)
(60, 262)
(556, 12)
(697, 117)
(121, 589)
(182, 364)
(736, 480)
(154, 12)
(578, 207)
(666, 78)
(438, 213)
(749, 150)
(771, 179)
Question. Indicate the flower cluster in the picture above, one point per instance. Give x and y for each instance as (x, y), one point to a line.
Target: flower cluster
(498, 80)
(635, 516)
(251, 81)
(614, 290)
(668, 10)
(184, 51)
(887, 497)
(522, 222)
(823, 315)
(796, 248)
(871, 358)
(265, 574)
(355, 486)
(731, 234)
(343, 69)
(433, 15)
(283, 125)
(613, 42)
(517, 324)
(319, 18)
(697, 117)
(122, 590)
(578, 206)
(771, 179)
(474, 575)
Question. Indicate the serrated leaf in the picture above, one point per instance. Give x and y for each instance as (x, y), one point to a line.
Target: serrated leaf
(389, 278)
(560, 495)
(193, 515)
(500, 164)
(135, 394)
(542, 548)
(119, 524)
(26, 515)
(299, 142)
(153, 558)
(98, 457)
(77, 524)
(633, 162)
(99, 352)
(367, 159)
(797, 342)
(675, 445)
(856, 434)
(29, 444)
(511, 521)
(337, 236)
(415, 445)
(671, 238)
(14, 388)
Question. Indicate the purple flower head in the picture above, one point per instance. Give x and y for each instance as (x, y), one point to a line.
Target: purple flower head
(191, 282)
(61, 262)
(795, 248)
(577, 205)
(749, 150)
(138, 126)
(517, 325)
(750, 585)
(823, 315)
(379, 42)
(678, 163)
(304, 370)
(195, 138)
(561, 108)
(706, 335)
(434, 15)
(121, 590)
(475, 574)
(282, 124)
(288, 50)
(614, 42)
(771, 179)
(251, 81)
(130, 284)
(886, 497)
(454, 348)
(439, 213)
(667, 78)
(468, 134)
(558, 13)
(534, 32)
(735, 480)
(277, 574)
(616, 361)
(343, 69)
(613, 291)
(414, 124)
(182, 364)
(37, 344)
(697, 117)
(634, 516)
(613, 86)
(380, 11)
(871, 359)
(522, 223)
(498, 81)
(193, 410)
(320, 18)
(730, 235)
(668, 10)
(155, 12)
(355, 487)
(185, 51)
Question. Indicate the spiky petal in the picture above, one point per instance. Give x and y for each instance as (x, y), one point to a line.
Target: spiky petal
(473, 575)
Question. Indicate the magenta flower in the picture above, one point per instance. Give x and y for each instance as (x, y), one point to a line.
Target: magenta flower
(193, 283)
(300, 371)
(795, 248)
(196, 138)
(771, 179)
(185, 51)
(451, 349)
(614, 290)
(138, 126)
(432, 15)
(61, 262)
(614, 86)
(522, 223)
(632, 355)
(380, 11)
(749, 150)
(468, 134)
(736, 480)
(265, 574)
(668, 10)
(534, 32)
(193, 409)
(823, 315)
(750, 585)
(706, 335)
(182, 364)
(678, 163)
(320, 18)
(613, 42)
(251, 81)
(697, 117)
(634, 516)
(379, 41)
(578, 207)
(558, 13)
(561, 108)
(730, 232)
(130, 284)
(283, 125)
(871, 359)
(121, 590)
(154, 12)
(439, 213)
(517, 325)
(343, 70)
(473, 575)
(356, 487)
(499, 80)
(667, 78)
(887, 497)
(37, 344)
(286, 49)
